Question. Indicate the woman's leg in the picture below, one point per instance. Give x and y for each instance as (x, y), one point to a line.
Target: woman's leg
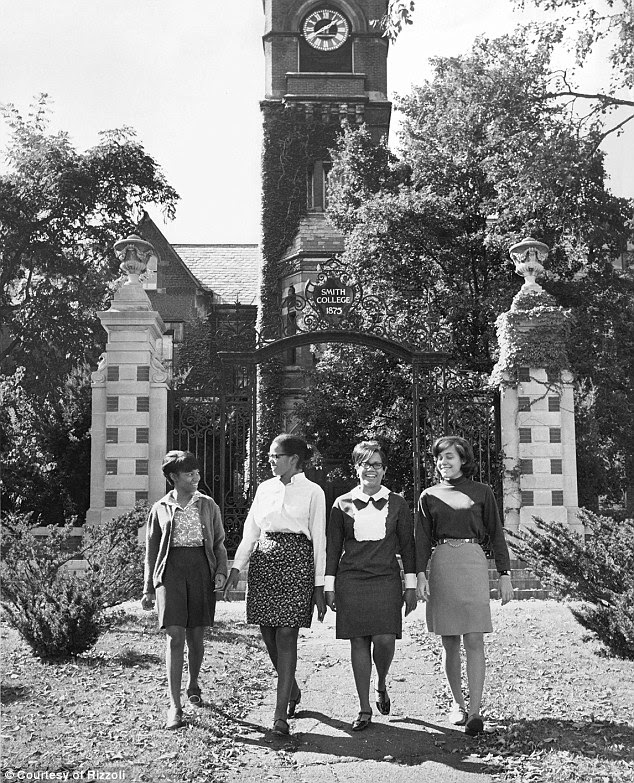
(362, 669)
(476, 669)
(286, 644)
(195, 651)
(383, 654)
(451, 666)
(174, 654)
(269, 635)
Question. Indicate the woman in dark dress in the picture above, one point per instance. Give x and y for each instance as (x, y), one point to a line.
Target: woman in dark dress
(367, 528)
(457, 516)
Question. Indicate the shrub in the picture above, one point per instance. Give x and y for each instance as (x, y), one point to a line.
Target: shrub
(597, 570)
(115, 557)
(57, 613)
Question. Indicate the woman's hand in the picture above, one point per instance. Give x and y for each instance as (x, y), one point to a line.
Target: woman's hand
(330, 600)
(231, 583)
(320, 602)
(409, 599)
(505, 588)
(219, 581)
(422, 587)
(147, 602)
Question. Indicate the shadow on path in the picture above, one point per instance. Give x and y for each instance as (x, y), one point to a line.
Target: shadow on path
(406, 741)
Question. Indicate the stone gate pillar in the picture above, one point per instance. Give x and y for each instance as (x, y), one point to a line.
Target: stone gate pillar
(536, 401)
(129, 396)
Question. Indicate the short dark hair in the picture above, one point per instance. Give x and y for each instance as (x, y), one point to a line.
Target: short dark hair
(178, 462)
(293, 444)
(462, 446)
(365, 449)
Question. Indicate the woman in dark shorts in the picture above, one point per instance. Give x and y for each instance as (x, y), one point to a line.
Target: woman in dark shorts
(284, 543)
(185, 561)
(367, 528)
(457, 516)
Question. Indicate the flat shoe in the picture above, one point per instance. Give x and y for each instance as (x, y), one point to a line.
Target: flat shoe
(174, 718)
(194, 697)
(457, 716)
(362, 721)
(474, 726)
(280, 726)
(383, 703)
(292, 705)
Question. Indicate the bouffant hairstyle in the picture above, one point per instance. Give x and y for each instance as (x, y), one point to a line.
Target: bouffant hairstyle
(293, 444)
(364, 450)
(178, 462)
(462, 446)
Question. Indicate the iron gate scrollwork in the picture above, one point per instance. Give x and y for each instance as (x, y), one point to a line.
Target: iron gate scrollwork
(220, 429)
(220, 426)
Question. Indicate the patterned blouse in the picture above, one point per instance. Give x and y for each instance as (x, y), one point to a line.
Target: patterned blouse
(187, 528)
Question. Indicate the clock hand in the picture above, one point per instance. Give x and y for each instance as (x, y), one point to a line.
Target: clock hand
(321, 30)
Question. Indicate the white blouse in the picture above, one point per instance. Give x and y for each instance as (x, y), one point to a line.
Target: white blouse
(296, 507)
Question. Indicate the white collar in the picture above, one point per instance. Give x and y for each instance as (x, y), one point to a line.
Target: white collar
(294, 479)
(170, 498)
(358, 494)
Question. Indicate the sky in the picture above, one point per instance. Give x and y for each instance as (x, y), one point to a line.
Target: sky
(188, 76)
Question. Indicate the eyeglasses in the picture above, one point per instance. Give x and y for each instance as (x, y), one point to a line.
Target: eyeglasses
(277, 456)
(375, 465)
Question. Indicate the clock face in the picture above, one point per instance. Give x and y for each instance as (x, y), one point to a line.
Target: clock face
(326, 29)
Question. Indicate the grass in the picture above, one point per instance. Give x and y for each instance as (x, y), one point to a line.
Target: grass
(105, 710)
(559, 708)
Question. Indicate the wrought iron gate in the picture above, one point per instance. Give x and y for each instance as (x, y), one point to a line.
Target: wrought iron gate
(220, 425)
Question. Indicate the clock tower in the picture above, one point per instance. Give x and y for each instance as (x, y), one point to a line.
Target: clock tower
(325, 67)
(329, 53)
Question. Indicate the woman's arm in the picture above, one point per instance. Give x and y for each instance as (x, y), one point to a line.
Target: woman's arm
(152, 542)
(317, 528)
(334, 548)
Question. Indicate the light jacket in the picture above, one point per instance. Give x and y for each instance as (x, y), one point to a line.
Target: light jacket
(159, 535)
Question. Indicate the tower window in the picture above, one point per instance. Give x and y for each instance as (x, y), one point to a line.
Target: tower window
(555, 434)
(524, 403)
(527, 498)
(526, 435)
(318, 185)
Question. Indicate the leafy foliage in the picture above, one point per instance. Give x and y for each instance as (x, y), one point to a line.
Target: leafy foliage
(485, 162)
(356, 393)
(115, 557)
(57, 613)
(596, 570)
(45, 448)
(61, 212)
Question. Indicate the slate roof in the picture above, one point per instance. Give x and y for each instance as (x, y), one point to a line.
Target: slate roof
(231, 272)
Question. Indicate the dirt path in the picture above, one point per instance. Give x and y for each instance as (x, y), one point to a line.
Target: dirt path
(413, 744)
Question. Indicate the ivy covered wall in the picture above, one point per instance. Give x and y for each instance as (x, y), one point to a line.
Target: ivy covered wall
(294, 138)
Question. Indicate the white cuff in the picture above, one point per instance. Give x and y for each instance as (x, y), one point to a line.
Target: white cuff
(329, 584)
(410, 581)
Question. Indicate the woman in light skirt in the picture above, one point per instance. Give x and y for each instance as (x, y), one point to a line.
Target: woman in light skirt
(457, 517)
(284, 543)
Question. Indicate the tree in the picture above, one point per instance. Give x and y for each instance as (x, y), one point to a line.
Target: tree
(61, 211)
(613, 22)
(477, 145)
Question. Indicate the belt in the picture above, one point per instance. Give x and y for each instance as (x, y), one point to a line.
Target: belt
(458, 541)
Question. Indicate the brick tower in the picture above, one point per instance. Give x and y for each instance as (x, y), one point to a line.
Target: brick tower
(325, 65)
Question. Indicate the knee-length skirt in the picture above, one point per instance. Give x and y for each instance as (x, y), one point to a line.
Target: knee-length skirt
(186, 597)
(459, 599)
(367, 606)
(281, 581)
